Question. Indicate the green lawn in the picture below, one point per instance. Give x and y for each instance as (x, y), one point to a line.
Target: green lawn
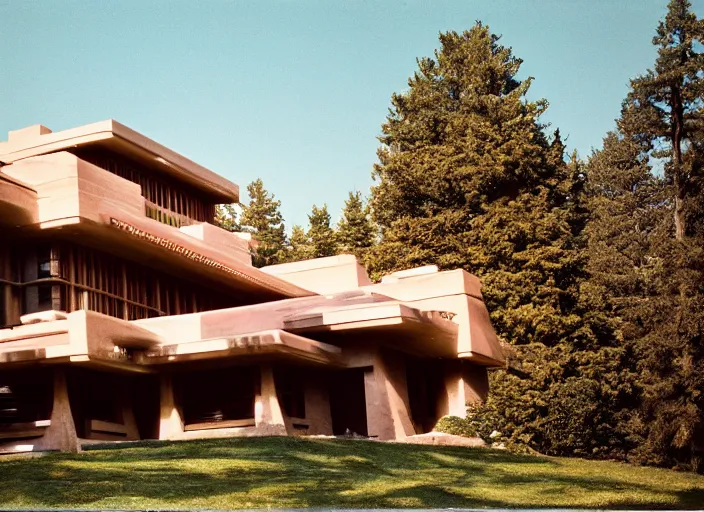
(290, 472)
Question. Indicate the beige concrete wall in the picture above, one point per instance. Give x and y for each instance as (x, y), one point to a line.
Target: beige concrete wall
(318, 418)
(224, 241)
(386, 392)
(464, 384)
(18, 202)
(109, 134)
(317, 400)
(323, 275)
(68, 187)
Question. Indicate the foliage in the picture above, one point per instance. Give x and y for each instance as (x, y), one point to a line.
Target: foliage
(467, 178)
(237, 473)
(262, 217)
(299, 246)
(664, 106)
(355, 231)
(645, 242)
(456, 426)
(226, 217)
(323, 239)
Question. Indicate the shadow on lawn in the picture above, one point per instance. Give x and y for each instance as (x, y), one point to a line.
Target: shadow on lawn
(286, 472)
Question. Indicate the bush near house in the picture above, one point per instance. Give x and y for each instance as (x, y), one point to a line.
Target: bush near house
(456, 426)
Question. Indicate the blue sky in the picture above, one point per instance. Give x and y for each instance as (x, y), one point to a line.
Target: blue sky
(295, 92)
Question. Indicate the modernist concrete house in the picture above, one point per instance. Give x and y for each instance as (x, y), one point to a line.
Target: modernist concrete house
(125, 313)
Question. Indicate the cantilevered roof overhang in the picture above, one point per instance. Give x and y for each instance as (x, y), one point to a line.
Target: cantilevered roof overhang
(18, 202)
(163, 247)
(422, 333)
(119, 138)
(273, 342)
(146, 232)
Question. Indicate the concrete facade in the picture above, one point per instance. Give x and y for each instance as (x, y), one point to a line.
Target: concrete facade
(126, 313)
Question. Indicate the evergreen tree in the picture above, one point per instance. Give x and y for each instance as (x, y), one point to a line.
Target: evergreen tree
(467, 178)
(299, 247)
(263, 219)
(323, 238)
(355, 230)
(646, 241)
(226, 217)
(665, 104)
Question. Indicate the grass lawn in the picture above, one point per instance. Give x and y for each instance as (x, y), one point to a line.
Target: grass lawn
(290, 472)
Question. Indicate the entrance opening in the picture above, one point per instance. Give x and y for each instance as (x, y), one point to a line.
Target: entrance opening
(145, 401)
(425, 387)
(26, 396)
(348, 402)
(291, 392)
(99, 401)
(217, 398)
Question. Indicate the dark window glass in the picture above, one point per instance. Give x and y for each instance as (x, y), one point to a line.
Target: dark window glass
(43, 262)
(45, 302)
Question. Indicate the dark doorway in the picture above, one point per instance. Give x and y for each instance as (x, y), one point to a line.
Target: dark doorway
(97, 396)
(347, 402)
(25, 396)
(145, 402)
(220, 396)
(425, 387)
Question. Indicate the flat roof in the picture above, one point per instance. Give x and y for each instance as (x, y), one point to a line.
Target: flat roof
(109, 134)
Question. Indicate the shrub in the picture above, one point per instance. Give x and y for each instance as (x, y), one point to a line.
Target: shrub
(456, 426)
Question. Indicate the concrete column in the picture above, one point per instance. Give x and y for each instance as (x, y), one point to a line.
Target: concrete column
(464, 384)
(61, 433)
(170, 421)
(386, 392)
(268, 417)
(317, 400)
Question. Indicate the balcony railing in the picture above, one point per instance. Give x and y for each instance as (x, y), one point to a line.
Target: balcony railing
(166, 216)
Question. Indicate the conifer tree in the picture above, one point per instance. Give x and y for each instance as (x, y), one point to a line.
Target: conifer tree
(299, 247)
(355, 231)
(647, 242)
(226, 217)
(323, 238)
(665, 104)
(467, 178)
(262, 217)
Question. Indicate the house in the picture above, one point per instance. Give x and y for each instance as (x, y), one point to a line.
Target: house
(126, 313)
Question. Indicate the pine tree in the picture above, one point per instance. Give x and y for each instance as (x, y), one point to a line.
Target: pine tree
(226, 217)
(323, 238)
(299, 247)
(649, 240)
(262, 217)
(665, 104)
(467, 178)
(355, 230)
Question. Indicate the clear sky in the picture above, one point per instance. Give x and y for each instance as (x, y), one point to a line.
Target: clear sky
(295, 92)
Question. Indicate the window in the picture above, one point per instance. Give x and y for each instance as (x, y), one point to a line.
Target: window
(43, 262)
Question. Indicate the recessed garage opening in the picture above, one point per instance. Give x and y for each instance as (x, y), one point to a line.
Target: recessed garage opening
(348, 405)
(217, 398)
